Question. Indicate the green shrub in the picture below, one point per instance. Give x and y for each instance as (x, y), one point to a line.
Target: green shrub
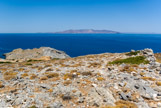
(4, 62)
(131, 60)
(133, 53)
(33, 60)
(33, 106)
(28, 64)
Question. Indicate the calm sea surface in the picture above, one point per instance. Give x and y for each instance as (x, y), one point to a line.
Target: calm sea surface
(81, 44)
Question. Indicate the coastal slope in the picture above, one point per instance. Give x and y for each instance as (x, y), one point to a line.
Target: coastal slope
(108, 80)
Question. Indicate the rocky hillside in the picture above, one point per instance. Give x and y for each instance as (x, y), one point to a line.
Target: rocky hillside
(109, 80)
(89, 31)
(41, 53)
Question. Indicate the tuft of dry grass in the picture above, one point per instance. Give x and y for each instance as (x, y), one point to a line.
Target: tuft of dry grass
(68, 76)
(1, 85)
(128, 69)
(33, 76)
(122, 104)
(87, 73)
(100, 79)
(158, 83)
(148, 78)
(44, 78)
(94, 65)
(10, 75)
(51, 75)
(24, 75)
(142, 73)
(50, 69)
(67, 83)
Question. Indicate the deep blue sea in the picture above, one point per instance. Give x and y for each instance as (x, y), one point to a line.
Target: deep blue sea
(81, 44)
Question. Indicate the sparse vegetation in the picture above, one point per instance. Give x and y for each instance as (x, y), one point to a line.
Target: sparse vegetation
(68, 76)
(87, 73)
(128, 69)
(51, 75)
(28, 64)
(133, 53)
(50, 69)
(122, 104)
(67, 83)
(33, 60)
(100, 78)
(158, 83)
(24, 75)
(9, 75)
(66, 97)
(4, 62)
(33, 106)
(44, 78)
(33, 76)
(148, 78)
(131, 60)
(1, 85)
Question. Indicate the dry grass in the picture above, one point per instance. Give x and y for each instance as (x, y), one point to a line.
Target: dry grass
(158, 83)
(1, 85)
(44, 78)
(148, 78)
(94, 65)
(67, 83)
(68, 76)
(128, 69)
(100, 79)
(33, 76)
(122, 104)
(24, 75)
(87, 73)
(142, 73)
(50, 69)
(51, 75)
(158, 57)
(10, 75)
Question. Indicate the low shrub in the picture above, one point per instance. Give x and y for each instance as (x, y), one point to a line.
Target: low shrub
(133, 53)
(131, 60)
(51, 75)
(4, 62)
(87, 73)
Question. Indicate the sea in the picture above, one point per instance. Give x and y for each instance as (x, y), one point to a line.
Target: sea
(80, 44)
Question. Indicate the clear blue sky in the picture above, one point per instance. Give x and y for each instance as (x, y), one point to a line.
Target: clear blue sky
(29, 16)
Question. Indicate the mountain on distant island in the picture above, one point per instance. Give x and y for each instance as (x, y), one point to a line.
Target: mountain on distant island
(88, 31)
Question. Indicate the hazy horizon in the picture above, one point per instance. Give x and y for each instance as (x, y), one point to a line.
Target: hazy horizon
(125, 16)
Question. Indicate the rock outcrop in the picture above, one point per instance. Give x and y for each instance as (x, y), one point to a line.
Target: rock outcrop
(42, 52)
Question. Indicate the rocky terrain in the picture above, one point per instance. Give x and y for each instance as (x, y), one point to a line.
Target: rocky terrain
(38, 54)
(109, 80)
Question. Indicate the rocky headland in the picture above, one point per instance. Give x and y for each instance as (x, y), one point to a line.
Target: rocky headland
(108, 80)
(87, 31)
(42, 53)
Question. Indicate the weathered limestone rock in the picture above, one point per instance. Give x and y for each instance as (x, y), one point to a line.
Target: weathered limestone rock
(41, 53)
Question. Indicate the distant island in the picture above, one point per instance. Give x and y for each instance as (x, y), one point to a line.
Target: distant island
(88, 31)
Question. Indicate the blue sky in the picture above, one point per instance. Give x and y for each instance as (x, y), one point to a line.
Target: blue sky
(30, 16)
